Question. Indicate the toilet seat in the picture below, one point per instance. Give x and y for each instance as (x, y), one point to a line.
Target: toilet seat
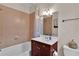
(69, 51)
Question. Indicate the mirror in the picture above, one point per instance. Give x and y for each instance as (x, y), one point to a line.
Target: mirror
(50, 25)
(47, 25)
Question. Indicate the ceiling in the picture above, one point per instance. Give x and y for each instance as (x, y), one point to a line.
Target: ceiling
(28, 7)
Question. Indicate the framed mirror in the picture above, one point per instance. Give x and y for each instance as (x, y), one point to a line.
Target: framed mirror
(50, 25)
(47, 25)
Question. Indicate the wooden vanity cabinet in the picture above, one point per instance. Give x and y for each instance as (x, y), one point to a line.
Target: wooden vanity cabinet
(42, 49)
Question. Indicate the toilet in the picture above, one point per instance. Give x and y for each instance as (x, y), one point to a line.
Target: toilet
(70, 52)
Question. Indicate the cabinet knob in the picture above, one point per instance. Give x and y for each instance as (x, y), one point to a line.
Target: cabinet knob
(33, 42)
(38, 48)
(43, 45)
(52, 50)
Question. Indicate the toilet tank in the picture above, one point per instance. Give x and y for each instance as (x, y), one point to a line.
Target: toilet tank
(70, 52)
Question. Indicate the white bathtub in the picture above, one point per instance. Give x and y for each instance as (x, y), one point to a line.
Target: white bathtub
(22, 49)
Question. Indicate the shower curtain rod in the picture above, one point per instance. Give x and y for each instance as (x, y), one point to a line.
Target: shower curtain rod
(70, 19)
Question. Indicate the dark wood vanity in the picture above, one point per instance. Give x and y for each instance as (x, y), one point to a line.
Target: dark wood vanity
(42, 49)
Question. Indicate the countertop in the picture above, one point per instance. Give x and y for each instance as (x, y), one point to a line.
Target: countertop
(46, 40)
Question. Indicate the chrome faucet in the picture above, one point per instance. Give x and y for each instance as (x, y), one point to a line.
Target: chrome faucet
(49, 37)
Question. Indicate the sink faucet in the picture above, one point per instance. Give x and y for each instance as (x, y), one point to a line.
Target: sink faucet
(49, 37)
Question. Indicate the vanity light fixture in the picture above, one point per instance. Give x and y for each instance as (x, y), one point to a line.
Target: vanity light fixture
(48, 12)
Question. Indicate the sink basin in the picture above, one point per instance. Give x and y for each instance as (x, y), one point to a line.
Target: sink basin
(45, 39)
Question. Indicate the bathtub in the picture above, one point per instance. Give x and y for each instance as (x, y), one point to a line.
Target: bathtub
(22, 49)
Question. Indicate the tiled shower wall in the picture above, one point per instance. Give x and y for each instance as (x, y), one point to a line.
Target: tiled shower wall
(14, 27)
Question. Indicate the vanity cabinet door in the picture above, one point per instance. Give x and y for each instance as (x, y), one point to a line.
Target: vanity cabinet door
(35, 48)
(45, 50)
(54, 46)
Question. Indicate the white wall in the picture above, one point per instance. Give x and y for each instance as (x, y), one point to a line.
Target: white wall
(55, 23)
(38, 30)
(70, 29)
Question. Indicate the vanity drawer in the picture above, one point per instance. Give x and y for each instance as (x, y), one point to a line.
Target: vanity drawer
(35, 43)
